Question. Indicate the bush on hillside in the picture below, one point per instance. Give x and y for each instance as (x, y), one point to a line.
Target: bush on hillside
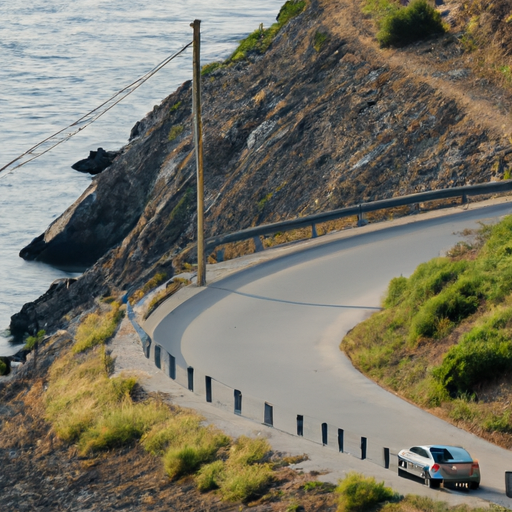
(404, 26)
(483, 353)
(358, 493)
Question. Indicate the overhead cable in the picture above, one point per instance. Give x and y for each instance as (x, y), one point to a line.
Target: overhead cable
(69, 131)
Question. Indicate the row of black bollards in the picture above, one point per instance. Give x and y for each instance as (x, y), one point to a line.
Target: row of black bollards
(268, 411)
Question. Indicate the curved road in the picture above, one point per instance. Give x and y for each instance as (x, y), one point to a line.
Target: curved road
(273, 330)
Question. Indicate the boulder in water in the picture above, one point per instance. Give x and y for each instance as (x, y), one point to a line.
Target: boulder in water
(96, 162)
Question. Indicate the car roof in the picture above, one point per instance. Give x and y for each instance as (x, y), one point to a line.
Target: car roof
(457, 452)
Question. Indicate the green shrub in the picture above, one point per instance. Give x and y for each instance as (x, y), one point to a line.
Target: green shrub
(175, 132)
(498, 423)
(3, 367)
(360, 493)
(404, 26)
(471, 362)
(379, 9)
(31, 341)
(241, 483)
(189, 455)
(464, 409)
(396, 289)
(175, 107)
(210, 68)
(260, 40)
(155, 281)
(248, 450)
(180, 429)
(319, 41)
(485, 352)
(97, 328)
(208, 476)
(449, 304)
(121, 426)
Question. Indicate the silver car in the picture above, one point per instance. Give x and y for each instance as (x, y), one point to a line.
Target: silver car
(440, 463)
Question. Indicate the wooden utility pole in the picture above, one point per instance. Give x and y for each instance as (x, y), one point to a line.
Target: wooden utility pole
(198, 140)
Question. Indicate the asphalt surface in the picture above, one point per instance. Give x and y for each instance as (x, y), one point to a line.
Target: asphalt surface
(273, 332)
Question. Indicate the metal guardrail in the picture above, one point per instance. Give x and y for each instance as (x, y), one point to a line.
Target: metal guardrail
(359, 210)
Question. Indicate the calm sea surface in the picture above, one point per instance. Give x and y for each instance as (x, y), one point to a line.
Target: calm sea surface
(58, 60)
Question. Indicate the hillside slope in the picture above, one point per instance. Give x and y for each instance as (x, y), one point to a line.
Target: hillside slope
(324, 119)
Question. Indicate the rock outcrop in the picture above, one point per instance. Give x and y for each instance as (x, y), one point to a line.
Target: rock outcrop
(302, 129)
(96, 162)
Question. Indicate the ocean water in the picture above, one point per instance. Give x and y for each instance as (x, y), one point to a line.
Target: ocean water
(58, 60)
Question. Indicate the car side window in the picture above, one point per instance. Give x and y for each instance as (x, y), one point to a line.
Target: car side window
(419, 451)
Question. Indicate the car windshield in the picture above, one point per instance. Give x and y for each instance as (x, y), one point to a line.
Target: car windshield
(451, 454)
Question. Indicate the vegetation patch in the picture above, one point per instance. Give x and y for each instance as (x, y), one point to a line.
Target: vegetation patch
(260, 40)
(175, 132)
(87, 406)
(3, 367)
(400, 26)
(444, 335)
(406, 25)
(162, 295)
(358, 493)
(320, 40)
(32, 341)
(175, 107)
(243, 475)
(487, 31)
(97, 328)
(155, 281)
(210, 68)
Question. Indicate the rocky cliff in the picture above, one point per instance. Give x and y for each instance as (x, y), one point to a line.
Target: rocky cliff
(323, 119)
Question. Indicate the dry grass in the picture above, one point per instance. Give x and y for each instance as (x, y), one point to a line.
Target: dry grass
(155, 281)
(97, 328)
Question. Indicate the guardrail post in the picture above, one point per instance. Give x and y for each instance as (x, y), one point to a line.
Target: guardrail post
(340, 440)
(325, 438)
(208, 385)
(360, 217)
(508, 484)
(190, 375)
(158, 360)
(258, 244)
(268, 415)
(172, 367)
(300, 425)
(314, 234)
(238, 401)
(386, 458)
(364, 443)
(220, 255)
(464, 199)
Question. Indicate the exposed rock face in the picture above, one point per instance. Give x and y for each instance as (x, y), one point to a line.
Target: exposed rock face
(96, 162)
(106, 212)
(305, 130)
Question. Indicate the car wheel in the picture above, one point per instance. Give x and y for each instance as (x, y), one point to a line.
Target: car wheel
(432, 483)
(474, 485)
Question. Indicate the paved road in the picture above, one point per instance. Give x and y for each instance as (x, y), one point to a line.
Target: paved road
(272, 331)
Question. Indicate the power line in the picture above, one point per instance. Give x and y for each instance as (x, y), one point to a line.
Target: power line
(69, 131)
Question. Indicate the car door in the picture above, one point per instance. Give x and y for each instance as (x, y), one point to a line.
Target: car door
(418, 460)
